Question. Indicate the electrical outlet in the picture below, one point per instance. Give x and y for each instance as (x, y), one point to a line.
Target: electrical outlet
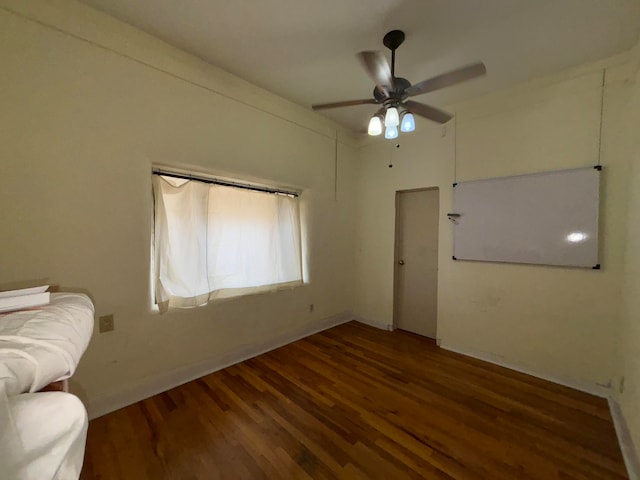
(106, 323)
(311, 308)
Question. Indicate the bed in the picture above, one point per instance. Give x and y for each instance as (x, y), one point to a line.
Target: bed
(43, 434)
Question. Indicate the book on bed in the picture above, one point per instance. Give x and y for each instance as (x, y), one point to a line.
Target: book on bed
(24, 298)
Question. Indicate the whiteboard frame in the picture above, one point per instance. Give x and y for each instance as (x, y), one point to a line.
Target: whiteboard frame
(452, 217)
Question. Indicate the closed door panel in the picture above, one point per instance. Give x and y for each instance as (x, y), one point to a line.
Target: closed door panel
(417, 269)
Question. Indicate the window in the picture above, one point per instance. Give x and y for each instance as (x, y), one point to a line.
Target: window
(215, 241)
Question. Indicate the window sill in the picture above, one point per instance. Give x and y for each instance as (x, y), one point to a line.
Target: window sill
(227, 294)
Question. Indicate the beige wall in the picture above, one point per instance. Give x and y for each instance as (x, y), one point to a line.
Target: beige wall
(560, 323)
(80, 128)
(630, 324)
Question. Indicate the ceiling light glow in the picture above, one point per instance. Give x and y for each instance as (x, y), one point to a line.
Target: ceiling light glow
(392, 118)
(408, 123)
(391, 132)
(375, 126)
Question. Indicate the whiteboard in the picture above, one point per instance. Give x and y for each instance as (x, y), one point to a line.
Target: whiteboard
(548, 218)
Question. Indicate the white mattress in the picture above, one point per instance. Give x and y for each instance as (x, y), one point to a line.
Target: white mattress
(44, 345)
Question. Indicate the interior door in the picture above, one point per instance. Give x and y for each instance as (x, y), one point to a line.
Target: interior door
(416, 295)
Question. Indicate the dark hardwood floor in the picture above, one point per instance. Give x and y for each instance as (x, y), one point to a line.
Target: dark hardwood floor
(355, 402)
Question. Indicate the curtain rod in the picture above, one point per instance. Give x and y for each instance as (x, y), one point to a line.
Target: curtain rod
(226, 183)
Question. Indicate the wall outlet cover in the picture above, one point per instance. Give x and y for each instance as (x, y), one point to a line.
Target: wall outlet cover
(106, 323)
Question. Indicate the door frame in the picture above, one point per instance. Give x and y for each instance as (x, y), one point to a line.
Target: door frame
(396, 247)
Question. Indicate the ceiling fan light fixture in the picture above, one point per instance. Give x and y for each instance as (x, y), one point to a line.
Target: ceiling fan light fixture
(391, 132)
(375, 126)
(392, 93)
(392, 118)
(408, 123)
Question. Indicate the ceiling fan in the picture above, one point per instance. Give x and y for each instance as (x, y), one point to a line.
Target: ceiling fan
(393, 92)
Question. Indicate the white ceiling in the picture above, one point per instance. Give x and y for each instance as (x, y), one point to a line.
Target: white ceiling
(304, 50)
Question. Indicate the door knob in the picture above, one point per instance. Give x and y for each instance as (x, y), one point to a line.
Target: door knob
(400, 262)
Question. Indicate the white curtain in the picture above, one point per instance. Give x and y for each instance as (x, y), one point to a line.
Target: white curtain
(214, 241)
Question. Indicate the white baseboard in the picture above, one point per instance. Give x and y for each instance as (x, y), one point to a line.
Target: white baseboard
(382, 326)
(629, 453)
(597, 390)
(149, 386)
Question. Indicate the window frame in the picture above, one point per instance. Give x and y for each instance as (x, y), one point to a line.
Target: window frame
(214, 295)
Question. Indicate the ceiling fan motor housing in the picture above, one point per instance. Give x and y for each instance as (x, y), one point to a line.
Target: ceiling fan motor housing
(396, 95)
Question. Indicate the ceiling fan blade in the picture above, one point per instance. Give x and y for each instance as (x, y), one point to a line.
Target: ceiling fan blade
(378, 69)
(347, 103)
(447, 79)
(428, 112)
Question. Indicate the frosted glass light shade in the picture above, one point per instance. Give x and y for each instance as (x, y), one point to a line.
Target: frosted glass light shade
(392, 118)
(391, 132)
(408, 123)
(375, 126)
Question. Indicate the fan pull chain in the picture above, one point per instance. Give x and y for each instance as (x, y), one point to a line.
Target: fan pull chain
(391, 156)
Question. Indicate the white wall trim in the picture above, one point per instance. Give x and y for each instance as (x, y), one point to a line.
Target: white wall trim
(381, 326)
(629, 453)
(597, 390)
(155, 384)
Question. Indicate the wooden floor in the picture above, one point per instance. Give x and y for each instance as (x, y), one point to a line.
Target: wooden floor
(355, 402)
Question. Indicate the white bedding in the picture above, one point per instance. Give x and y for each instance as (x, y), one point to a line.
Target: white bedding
(43, 434)
(44, 344)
